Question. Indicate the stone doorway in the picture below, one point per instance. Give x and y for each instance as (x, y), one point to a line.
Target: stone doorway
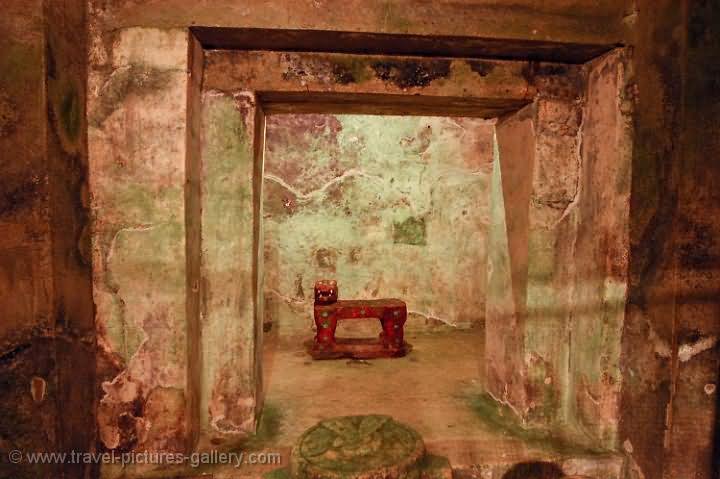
(192, 351)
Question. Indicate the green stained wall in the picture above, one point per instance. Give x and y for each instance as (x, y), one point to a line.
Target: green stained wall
(389, 206)
(227, 401)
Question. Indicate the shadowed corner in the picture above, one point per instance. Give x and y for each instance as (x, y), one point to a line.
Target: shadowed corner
(534, 470)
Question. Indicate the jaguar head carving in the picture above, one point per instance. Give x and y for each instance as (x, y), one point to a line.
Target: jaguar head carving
(326, 291)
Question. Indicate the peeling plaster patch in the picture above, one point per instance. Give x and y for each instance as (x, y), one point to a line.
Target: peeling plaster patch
(558, 170)
(120, 389)
(220, 410)
(124, 420)
(118, 413)
(577, 193)
(687, 351)
(627, 446)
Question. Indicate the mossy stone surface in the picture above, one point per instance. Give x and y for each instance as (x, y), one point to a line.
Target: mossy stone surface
(358, 447)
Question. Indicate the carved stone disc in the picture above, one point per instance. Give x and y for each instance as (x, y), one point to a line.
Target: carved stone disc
(358, 447)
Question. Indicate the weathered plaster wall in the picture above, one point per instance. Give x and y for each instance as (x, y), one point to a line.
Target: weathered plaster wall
(27, 349)
(147, 289)
(534, 195)
(137, 153)
(26, 268)
(600, 249)
(669, 355)
(389, 206)
(228, 200)
(558, 275)
(372, 74)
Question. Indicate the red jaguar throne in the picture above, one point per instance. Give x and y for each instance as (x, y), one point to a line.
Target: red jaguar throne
(328, 310)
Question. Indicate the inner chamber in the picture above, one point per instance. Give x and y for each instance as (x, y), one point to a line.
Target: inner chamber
(390, 207)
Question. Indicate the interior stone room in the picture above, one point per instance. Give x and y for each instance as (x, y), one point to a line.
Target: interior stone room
(535, 183)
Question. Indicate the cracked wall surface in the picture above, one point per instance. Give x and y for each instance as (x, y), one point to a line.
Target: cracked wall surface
(389, 206)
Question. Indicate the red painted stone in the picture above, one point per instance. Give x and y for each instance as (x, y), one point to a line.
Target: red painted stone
(328, 310)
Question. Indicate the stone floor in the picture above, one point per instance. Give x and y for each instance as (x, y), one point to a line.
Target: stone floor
(436, 389)
(428, 389)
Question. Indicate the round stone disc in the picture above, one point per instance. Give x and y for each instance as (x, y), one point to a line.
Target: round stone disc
(358, 447)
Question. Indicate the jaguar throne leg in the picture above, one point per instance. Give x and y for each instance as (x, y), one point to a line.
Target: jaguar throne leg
(325, 324)
(393, 323)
